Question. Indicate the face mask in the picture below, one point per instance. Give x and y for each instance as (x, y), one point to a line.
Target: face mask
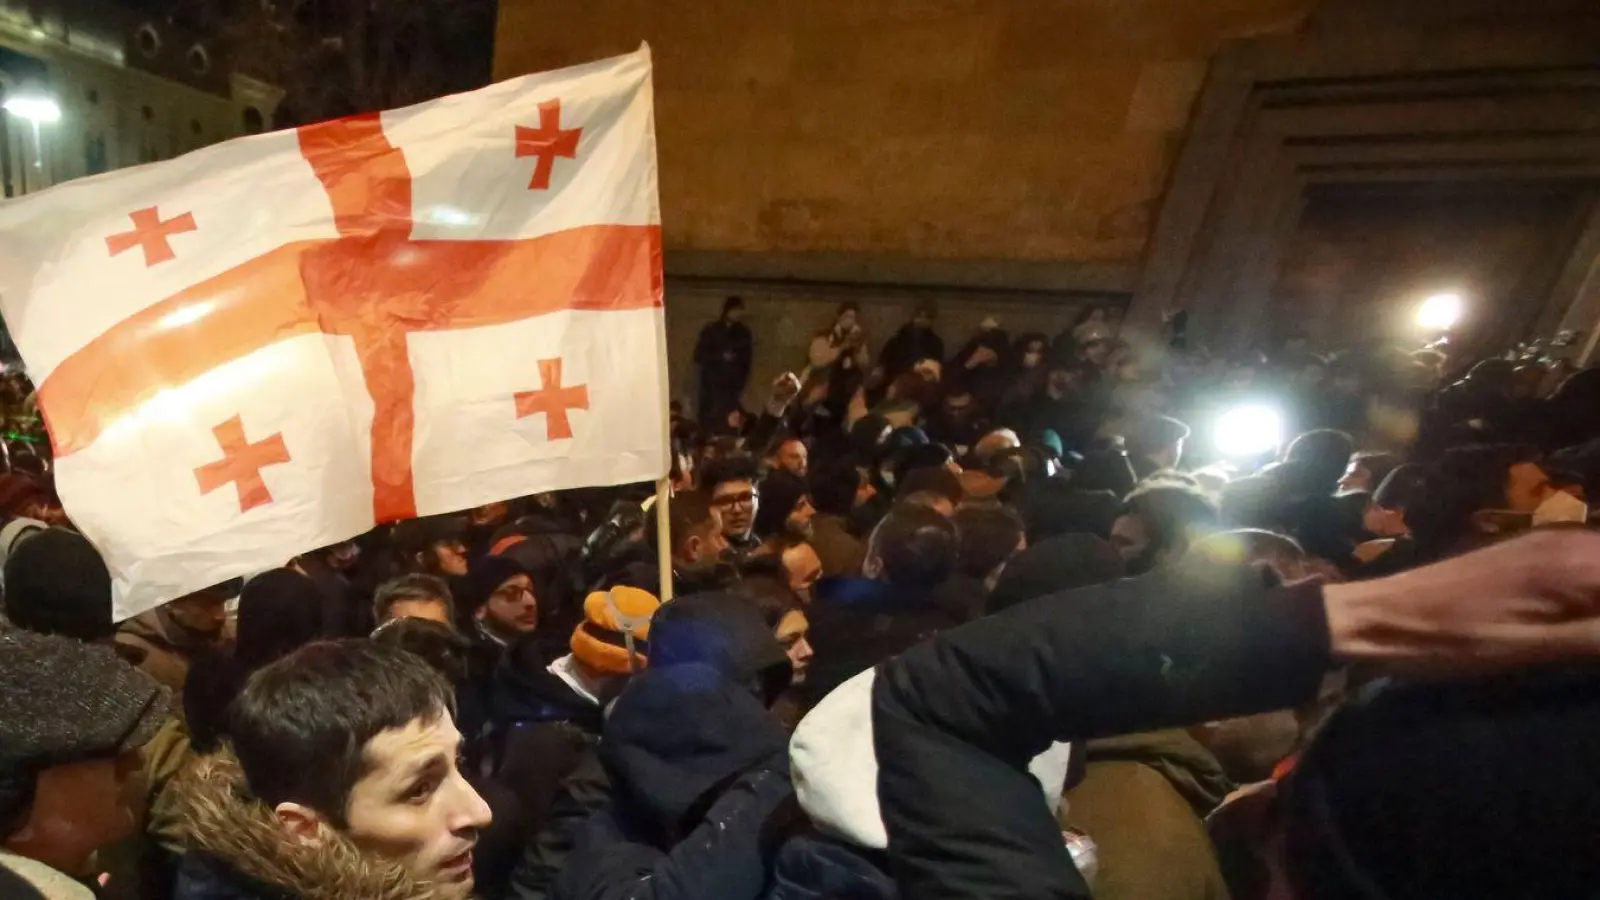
(1561, 507)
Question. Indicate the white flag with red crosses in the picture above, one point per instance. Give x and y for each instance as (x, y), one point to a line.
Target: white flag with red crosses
(274, 344)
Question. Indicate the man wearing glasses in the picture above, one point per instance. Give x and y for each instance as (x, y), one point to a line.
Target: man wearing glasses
(731, 483)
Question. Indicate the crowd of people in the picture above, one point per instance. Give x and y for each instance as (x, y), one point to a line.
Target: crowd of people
(997, 622)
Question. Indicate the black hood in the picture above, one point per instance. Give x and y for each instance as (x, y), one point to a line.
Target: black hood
(725, 632)
(679, 734)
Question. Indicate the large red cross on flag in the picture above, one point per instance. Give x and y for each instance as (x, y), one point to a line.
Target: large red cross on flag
(273, 344)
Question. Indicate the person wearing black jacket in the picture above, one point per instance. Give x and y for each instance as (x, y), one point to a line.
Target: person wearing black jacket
(914, 342)
(697, 765)
(723, 355)
(902, 598)
(955, 719)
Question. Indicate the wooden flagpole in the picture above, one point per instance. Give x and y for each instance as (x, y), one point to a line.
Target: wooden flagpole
(664, 535)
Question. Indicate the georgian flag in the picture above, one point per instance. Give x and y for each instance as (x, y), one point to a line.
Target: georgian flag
(277, 343)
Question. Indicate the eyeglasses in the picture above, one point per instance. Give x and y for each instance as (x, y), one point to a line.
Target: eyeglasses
(745, 498)
(513, 592)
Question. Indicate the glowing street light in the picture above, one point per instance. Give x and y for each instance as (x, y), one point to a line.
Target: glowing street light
(1247, 431)
(38, 109)
(1439, 312)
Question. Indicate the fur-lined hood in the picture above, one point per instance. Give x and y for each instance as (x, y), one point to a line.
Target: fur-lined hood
(224, 822)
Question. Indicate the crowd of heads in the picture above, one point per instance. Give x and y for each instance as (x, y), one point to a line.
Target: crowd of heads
(418, 697)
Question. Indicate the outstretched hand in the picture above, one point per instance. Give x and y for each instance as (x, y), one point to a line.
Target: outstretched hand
(1535, 599)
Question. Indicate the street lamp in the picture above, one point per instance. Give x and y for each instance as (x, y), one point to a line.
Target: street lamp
(36, 110)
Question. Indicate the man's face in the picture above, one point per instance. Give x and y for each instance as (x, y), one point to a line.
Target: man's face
(1527, 486)
(432, 609)
(804, 569)
(202, 612)
(737, 501)
(735, 314)
(414, 806)
(79, 808)
(512, 608)
(798, 524)
(450, 557)
(958, 407)
(922, 319)
(792, 458)
(791, 633)
(703, 548)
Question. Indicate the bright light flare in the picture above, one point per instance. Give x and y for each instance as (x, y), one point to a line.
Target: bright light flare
(1439, 312)
(1246, 431)
(36, 109)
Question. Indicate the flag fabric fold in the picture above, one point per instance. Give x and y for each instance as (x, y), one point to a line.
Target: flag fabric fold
(275, 344)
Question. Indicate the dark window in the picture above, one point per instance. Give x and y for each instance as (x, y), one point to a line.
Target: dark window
(94, 155)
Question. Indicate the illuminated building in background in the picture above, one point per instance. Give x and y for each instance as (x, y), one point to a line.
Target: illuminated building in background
(88, 87)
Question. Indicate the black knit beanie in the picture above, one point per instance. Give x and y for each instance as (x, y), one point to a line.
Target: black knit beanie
(56, 583)
(280, 611)
(64, 701)
(780, 494)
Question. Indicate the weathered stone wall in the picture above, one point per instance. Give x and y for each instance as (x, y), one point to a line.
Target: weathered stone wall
(958, 129)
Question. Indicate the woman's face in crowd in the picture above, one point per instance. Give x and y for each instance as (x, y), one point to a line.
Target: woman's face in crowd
(846, 321)
(791, 631)
(512, 608)
(413, 805)
(79, 808)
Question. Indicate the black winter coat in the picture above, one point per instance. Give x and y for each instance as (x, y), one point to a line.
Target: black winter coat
(699, 775)
(956, 719)
(857, 623)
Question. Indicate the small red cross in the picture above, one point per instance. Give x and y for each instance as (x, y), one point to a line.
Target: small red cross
(553, 400)
(547, 142)
(151, 234)
(241, 464)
